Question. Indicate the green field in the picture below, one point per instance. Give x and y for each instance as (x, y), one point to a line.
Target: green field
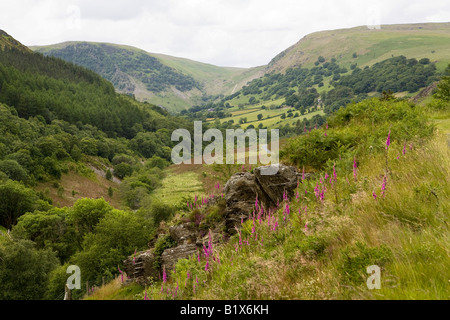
(177, 186)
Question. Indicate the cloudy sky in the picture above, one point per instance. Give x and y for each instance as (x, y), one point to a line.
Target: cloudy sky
(240, 33)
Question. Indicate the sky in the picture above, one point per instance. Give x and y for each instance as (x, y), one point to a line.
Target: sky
(234, 33)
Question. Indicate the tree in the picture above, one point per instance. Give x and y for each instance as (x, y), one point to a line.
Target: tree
(116, 236)
(48, 230)
(24, 270)
(110, 192)
(122, 170)
(108, 175)
(13, 170)
(443, 88)
(86, 213)
(15, 200)
(260, 116)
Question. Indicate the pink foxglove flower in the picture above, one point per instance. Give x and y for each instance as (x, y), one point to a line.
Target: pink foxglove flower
(388, 140)
(374, 195)
(383, 186)
(164, 275)
(355, 167)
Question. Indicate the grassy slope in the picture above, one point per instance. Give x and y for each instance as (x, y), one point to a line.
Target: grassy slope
(411, 40)
(80, 182)
(327, 260)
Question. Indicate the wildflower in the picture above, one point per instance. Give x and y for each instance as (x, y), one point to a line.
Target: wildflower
(388, 140)
(145, 295)
(334, 172)
(326, 125)
(383, 186)
(306, 227)
(164, 275)
(355, 167)
(374, 195)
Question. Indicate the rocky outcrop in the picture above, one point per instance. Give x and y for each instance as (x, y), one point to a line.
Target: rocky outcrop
(240, 192)
(141, 267)
(243, 188)
(171, 256)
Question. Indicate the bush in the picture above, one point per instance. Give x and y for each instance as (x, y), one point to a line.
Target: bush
(355, 260)
(163, 243)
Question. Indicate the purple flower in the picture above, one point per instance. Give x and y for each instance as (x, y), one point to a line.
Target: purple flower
(374, 195)
(388, 140)
(164, 275)
(383, 186)
(355, 167)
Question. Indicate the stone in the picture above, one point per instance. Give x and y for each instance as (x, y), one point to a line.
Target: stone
(183, 233)
(142, 268)
(171, 256)
(243, 187)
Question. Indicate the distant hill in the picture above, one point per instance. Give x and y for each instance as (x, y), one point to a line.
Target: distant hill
(9, 42)
(174, 83)
(178, 83)
(366, 46)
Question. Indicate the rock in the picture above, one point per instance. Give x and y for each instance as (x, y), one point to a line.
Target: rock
(286, 179)
(142, 268)
(170, 256)
(242, 188)
(183, 233)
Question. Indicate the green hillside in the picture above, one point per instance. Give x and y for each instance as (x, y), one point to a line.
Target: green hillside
(425, 40)
(174, 83)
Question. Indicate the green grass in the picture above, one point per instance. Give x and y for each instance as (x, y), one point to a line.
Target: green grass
(175, 187)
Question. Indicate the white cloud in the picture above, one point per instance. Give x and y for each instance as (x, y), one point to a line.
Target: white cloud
(222, 32)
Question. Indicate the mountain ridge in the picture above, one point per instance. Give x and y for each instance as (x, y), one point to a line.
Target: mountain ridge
(363, 47)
